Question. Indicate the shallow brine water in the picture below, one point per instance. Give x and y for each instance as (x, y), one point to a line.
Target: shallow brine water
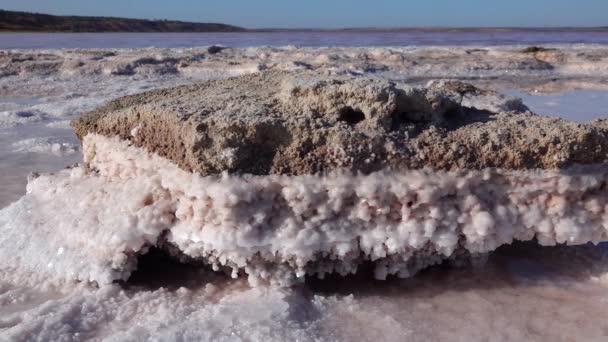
(580, 105)
(521, 292)
(304, 38)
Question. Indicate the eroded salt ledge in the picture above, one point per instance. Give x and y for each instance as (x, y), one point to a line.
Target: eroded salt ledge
(91, 223)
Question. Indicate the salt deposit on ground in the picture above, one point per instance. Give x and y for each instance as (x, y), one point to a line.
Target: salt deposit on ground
(278, 229)
(46, 145)
(519, 292)
(421, 62)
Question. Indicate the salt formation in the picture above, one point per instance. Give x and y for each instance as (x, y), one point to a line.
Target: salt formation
(45, 145)
(280, 175)
(582, 62)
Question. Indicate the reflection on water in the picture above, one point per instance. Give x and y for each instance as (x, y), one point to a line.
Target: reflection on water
(523, 292)
(520, 292)
(577, 105)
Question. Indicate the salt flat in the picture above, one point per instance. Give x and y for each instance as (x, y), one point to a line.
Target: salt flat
(519, 292)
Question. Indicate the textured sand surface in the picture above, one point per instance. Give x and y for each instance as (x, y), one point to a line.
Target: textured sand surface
(302, 122)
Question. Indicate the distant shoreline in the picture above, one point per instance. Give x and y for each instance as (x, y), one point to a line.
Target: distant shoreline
(24, 22)
(438, 29)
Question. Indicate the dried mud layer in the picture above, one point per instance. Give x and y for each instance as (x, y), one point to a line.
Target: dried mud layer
(306, 122)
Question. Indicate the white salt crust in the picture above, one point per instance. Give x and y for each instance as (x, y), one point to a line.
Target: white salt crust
(46, 145)
(90, 224)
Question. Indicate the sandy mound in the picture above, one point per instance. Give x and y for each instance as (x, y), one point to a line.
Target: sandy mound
(285, 123)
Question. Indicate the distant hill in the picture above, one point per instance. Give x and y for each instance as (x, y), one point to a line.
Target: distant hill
(11, 21)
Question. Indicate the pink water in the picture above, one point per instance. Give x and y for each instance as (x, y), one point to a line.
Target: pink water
(304, 38)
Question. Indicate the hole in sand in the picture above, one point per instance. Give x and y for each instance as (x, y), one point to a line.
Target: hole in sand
(399, 119)
(351, 116)
(158, 268)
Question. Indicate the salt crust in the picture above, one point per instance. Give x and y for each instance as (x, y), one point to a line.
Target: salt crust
(89, 223)
(50, 145)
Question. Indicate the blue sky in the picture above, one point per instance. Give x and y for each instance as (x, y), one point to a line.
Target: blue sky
(339, 13)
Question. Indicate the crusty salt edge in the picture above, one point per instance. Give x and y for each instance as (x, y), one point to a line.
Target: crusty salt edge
(91, 224)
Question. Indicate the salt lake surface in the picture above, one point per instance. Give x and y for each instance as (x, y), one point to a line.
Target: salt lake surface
(305, 39)
(579, 105)
(521, 292)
